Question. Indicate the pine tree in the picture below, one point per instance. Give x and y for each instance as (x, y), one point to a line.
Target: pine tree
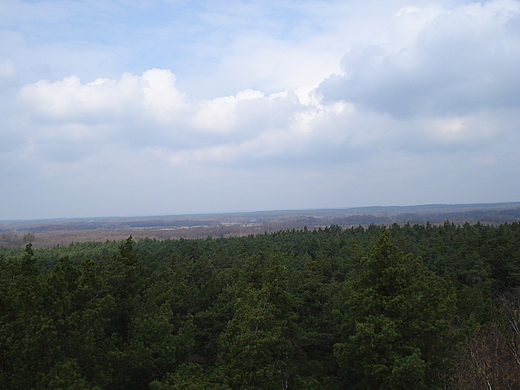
(395, 323)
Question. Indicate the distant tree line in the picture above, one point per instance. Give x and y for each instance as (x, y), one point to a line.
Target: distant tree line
(218, 225)
(399, 307)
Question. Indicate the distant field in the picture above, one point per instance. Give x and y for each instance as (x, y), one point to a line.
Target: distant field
(48, 233)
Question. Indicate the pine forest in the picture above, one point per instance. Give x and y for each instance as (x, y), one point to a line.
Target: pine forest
(400, 307)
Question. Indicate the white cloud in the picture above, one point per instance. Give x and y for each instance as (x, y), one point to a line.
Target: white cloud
(220, 115)
(72, 119)
(146, 110)
(153, 94)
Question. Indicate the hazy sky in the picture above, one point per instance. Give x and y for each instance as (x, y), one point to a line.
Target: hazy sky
(144, 107)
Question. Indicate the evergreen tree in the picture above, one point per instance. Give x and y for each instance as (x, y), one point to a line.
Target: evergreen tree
(257, 347)
(395, 323)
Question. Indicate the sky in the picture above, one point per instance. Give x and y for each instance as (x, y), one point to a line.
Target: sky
(148, 107)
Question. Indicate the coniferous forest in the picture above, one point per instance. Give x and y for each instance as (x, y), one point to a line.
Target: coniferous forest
(399, 307)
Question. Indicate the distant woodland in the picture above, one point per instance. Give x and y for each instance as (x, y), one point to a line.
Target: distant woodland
(48, 233)
(404, 306)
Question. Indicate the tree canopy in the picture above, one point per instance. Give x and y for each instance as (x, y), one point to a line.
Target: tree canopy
(403, 307)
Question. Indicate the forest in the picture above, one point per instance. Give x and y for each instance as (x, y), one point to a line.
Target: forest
(418, 306)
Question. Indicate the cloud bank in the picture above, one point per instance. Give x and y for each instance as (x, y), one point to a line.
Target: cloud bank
(450, 62)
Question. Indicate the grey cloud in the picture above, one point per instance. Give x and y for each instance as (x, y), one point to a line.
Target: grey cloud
(460, 62)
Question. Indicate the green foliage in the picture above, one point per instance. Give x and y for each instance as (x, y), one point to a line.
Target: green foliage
(189, 377)
(256, 348)
(395, 322)
(329, 309)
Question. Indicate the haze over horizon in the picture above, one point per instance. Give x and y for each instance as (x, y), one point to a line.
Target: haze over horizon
(147, 107)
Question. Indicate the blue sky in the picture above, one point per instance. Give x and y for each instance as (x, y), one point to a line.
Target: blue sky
(119, 108)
